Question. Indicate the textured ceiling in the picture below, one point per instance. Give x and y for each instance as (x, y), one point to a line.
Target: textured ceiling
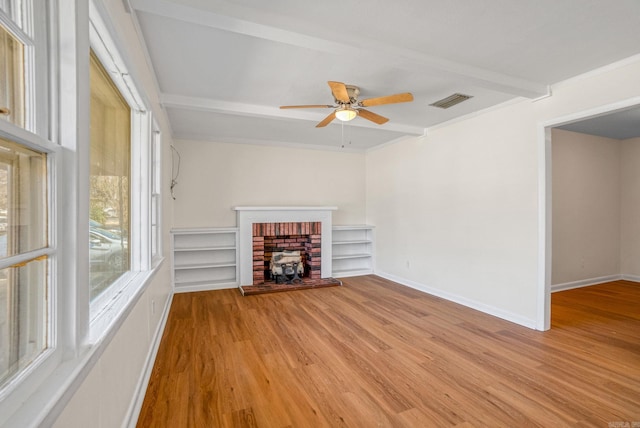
(224, 68)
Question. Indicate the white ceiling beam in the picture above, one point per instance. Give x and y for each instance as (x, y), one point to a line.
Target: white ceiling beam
(226, 107)
(354, 48)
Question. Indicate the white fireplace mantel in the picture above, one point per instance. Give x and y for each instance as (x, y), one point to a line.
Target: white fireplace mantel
(247, 216)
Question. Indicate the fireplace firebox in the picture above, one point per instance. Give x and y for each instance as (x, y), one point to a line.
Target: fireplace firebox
(272, 239)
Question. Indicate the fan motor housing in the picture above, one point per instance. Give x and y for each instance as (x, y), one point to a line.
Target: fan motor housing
(353, 92)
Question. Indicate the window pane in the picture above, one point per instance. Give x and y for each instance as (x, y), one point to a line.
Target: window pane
(13, 9)
(155, 192)
(23, 199)
(154, 225)
(11, 78)
(23, 315)
(109, 180)
(155, 163)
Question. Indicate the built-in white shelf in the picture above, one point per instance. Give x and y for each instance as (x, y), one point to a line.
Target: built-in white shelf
(352, 250)
(204, 258)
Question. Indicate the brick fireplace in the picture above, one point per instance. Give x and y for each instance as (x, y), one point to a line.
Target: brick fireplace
(260, 229)
(268, 238)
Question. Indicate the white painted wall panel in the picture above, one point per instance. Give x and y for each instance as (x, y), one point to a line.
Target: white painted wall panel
(586, 207)
(456, 211)
(630, 234)
(215, 177)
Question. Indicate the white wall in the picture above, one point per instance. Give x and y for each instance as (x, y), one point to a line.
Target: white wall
(111, 388)
(586, 207)
(596, 209)
(215, 177)
(456, 212)
(630, 235)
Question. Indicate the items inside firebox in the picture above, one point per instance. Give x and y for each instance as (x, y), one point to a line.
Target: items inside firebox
(286, 267)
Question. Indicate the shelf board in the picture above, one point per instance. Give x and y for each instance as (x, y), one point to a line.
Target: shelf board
(204, 230)
(204, 265)
(214, 248)
(351, 256)
(355, 241)
(353, 227)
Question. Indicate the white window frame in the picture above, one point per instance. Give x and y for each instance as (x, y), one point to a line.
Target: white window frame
(34, 38)
(35, 135)
(156, 192)
(79, 331)
(35, 369)
(107, 307)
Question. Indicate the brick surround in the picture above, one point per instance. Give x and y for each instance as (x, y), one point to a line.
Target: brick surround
(247, 216)
(303, 236)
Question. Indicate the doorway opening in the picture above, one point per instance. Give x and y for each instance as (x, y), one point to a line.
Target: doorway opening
(620, 121)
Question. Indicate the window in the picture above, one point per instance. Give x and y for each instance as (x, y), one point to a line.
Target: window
(26, 155)
(70, 268)
(156, 142)
(23, 271)
(12, 83)
(120, 161)
(24, 65)
(109, 181)
(15, 10)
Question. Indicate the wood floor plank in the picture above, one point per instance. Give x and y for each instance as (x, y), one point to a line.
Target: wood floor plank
(375, 353)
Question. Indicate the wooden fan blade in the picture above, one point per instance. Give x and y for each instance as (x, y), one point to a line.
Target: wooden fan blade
(389, 99)
(326, 120)
(339, 91)
(373, 117)
(309, 106)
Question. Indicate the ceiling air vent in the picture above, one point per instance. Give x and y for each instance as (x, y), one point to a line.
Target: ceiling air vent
(451, 100)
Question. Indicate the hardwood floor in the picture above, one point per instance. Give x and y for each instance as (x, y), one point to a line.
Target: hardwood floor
(374, 353)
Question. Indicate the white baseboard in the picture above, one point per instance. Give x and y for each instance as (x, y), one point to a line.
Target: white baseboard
(634, 278)
(487, 309)
(585, 282)
(136, 405)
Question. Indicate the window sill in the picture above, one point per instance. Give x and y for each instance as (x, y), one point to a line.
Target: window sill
(109, 317)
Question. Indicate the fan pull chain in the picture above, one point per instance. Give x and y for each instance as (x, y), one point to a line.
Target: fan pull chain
(348, 136)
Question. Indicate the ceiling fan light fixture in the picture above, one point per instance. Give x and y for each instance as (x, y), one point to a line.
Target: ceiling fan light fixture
(347, 107)
(346, 114)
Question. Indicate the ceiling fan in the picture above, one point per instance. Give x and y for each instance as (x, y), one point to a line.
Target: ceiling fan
(348, 107)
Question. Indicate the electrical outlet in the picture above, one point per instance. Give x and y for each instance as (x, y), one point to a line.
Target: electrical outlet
(153, 307)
